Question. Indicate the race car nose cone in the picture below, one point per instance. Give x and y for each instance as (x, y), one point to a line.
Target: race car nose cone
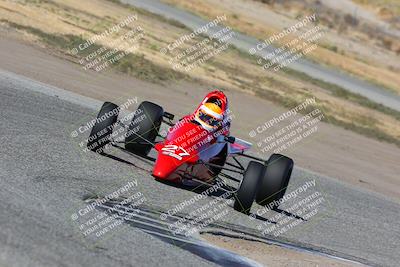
(159, 174)
(164, 167)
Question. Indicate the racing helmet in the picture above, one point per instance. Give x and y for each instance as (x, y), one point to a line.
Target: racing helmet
(209, 116)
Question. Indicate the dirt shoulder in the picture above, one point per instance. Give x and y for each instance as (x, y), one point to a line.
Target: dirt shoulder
(332, 151)
(272, 255)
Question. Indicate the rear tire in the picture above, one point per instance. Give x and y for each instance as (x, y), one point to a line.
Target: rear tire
(276, 178)
(102, 129)
(246, 193)
(144, 126)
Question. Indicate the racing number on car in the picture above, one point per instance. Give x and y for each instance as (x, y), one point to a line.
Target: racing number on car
(174, 151)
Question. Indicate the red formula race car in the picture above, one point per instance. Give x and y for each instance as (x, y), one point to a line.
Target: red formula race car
(197, 148)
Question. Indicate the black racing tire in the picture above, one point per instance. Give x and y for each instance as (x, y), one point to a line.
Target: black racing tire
(102, 129)
(247, 191)
(278, 170)
(145, 125)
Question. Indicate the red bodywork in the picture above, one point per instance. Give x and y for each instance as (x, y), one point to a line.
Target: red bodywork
(187, 142)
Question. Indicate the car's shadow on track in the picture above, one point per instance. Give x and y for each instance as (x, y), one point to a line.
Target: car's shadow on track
(199, 188)
(260, 218)
(284, 212)
(289, 214)
(121, 160)
(143, 158)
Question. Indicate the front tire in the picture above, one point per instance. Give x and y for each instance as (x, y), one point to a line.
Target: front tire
(102, 129)
(276, 178)
(248, 188)
(144, 126)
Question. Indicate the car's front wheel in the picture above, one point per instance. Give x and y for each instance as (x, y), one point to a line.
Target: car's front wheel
(278, 170)
(246, 193)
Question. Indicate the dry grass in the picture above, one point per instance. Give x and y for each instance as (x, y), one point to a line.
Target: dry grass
(387, 9)
(259, 26)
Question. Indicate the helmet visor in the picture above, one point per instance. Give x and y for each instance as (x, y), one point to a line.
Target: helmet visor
(208, 119)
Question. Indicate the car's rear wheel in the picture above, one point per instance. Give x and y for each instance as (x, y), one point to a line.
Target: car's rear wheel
(102, 129)
(144, 128)
(246, 193)
(278, 170)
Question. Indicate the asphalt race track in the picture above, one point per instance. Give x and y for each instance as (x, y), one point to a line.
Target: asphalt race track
(46, 177)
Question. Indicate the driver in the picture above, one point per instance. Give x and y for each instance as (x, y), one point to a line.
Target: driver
(209, 116)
